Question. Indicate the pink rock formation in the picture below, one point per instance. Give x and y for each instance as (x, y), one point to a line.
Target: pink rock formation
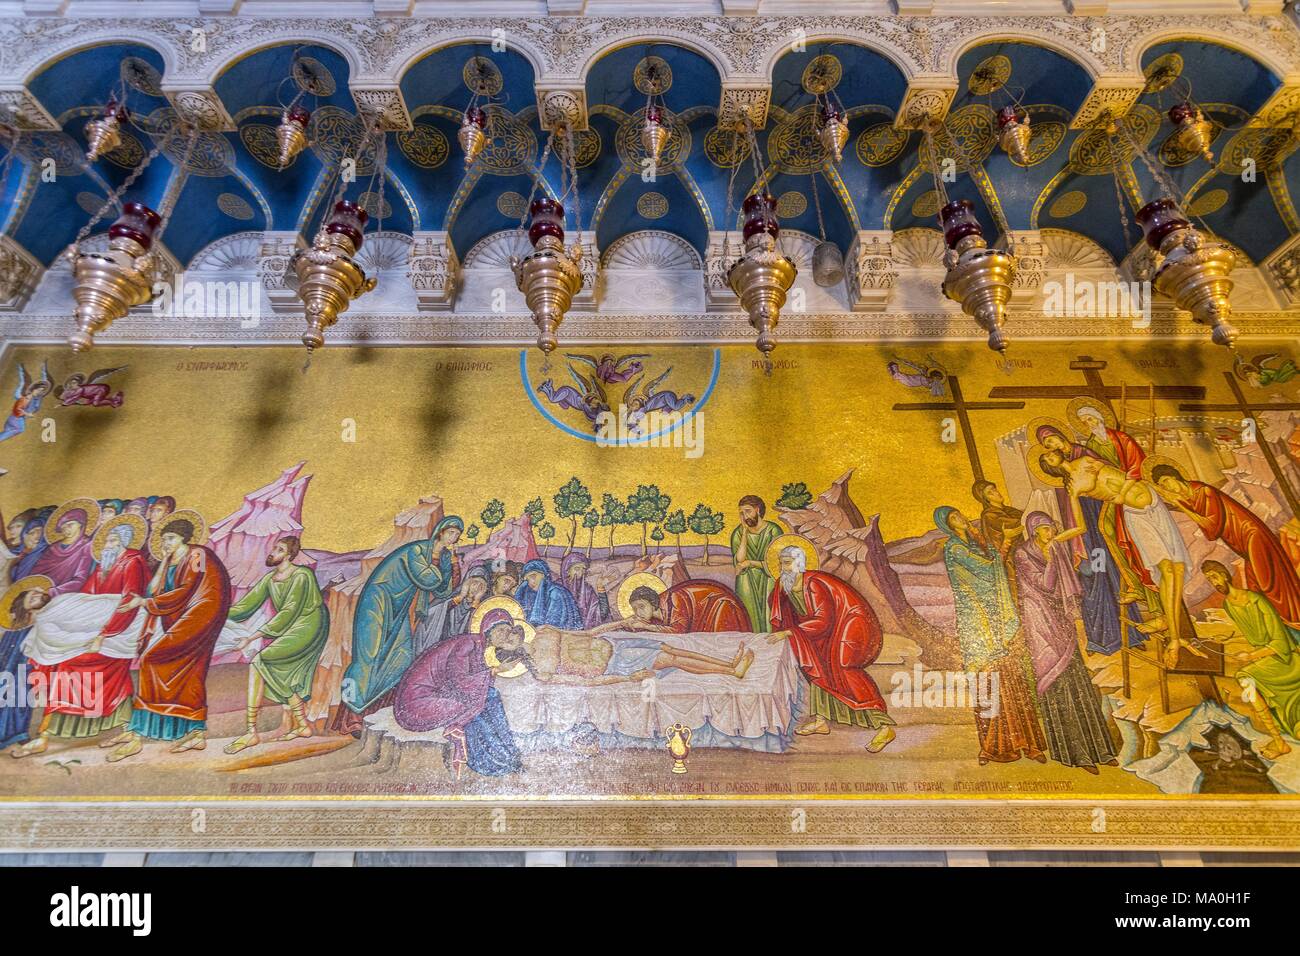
(513, 541)
(243, 539)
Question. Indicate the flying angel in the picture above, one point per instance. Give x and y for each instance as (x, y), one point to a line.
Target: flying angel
(1261, 371)
(27, 400)
(932, 376)
(609, 369)
(81, 389)
(641, 401)
(589, 397)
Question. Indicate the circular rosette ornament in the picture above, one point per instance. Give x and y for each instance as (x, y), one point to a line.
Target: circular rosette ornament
(762, 276)
(979, 278)
(551, 275)
(328, 275)
(1193, 271)
(107, 285)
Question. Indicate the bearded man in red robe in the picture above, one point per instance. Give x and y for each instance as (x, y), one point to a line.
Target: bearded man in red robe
(120, 569)
(1222, 517)
(835, 635)
(691, 607)
(187, 600)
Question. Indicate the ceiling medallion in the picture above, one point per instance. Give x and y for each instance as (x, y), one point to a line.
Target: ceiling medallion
(375, 205)
(822, 74)
(990, 75)
(653, 76)
(236, 207)
(926, 205)
(203, 154)
(424, 145)
(141, 76)
(880, 145)
(262, 143)
(510, 144)
(1067, 204)
(482, 77)
(724, 149)
(1093, 152)
(1162, 72)
(791, 205)
(966, 136)
(511, 204)
(313, 76)
(1044, 138)
(335, 134)
(1208, 202)
(128, 153)
(652, 205)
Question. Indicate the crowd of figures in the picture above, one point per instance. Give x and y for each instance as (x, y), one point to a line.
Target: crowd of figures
(116, 610)
(1032, 593)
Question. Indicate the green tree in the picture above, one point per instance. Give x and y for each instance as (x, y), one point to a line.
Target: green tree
(675, 524)
(657, 536)
(571, 501)
(535, 511)
(794, 496)
(472, 532)
(493, 514)
(647, 506)
(546, 532)
(590, 521)
(705, 522)
(613, 513)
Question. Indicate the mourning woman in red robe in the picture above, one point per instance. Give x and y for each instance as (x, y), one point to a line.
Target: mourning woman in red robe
(835, 635)
(187, 602)
(120, 569)
(691, 607)
(1222, 517)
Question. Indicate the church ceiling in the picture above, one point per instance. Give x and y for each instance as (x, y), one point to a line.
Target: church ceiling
(1243, 193)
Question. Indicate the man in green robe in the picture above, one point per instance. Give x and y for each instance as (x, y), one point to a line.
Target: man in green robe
(1270, 672)
(283, 669)
(749, 544)
(400, 590)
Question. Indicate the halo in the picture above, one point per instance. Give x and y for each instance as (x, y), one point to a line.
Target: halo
(139, 533)
(1032, 426)
(1085, 401)
(1036, 469)
(1149, 463)
(88, 505)
(185, 514)
(773, 557)
(642, 579)
(500, 602)
(19, 586)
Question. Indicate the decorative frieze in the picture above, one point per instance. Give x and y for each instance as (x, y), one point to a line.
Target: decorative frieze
(723, 250)
(433, 271)
(869, 270)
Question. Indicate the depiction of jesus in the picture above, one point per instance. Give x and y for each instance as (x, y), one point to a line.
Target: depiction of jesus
(577, 657)
(1159, 543)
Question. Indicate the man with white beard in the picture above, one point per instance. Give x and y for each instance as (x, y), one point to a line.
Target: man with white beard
(835, 635)
(90, 691)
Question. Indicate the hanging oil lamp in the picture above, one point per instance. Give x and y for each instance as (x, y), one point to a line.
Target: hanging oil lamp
(1015, 133)
(292, 132)
(550, 276)
(103, 135)
(834, 132)
(654, 134)
(979, 278)
(762, 276)
(1192, 271)
(328, 275)
(109, 284)
(472, 135)
(1193, 133)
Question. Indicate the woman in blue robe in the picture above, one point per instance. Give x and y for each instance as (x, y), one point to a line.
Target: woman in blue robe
(413, 576)
(32, 545)
(545, 601)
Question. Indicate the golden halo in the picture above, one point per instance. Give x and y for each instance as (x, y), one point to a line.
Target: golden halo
(185, 514)
(17, 588)
(500, 602)
(1151, 461)
(1032, 426)
(89, 505)
(642, 579)
(139, 533)
(1083, 401)
(1031, 459)
(773, 557)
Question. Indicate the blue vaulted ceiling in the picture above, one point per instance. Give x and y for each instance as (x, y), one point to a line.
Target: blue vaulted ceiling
(236, 185)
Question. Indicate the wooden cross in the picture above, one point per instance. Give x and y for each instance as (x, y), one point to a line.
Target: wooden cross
(1243, 406)
(963, 409)
(1095, 387)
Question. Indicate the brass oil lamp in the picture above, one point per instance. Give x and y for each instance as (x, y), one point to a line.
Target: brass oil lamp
(654, 134)
(1193, 271)
(550, 276)
(834, 132)
(103, 134)
(762, 276)
(979, 278)
(107, 285)
(328, 275)
(1014, 134)
(1193, 133)
(292, 132)
(472, 135)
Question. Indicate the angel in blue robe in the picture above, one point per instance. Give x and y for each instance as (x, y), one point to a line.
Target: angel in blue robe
(27, 400)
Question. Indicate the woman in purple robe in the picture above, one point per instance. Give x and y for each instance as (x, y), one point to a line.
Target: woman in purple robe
(449, 688)
(1048, 595)
(593, 606)
(1100, 600)
(68, 560)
